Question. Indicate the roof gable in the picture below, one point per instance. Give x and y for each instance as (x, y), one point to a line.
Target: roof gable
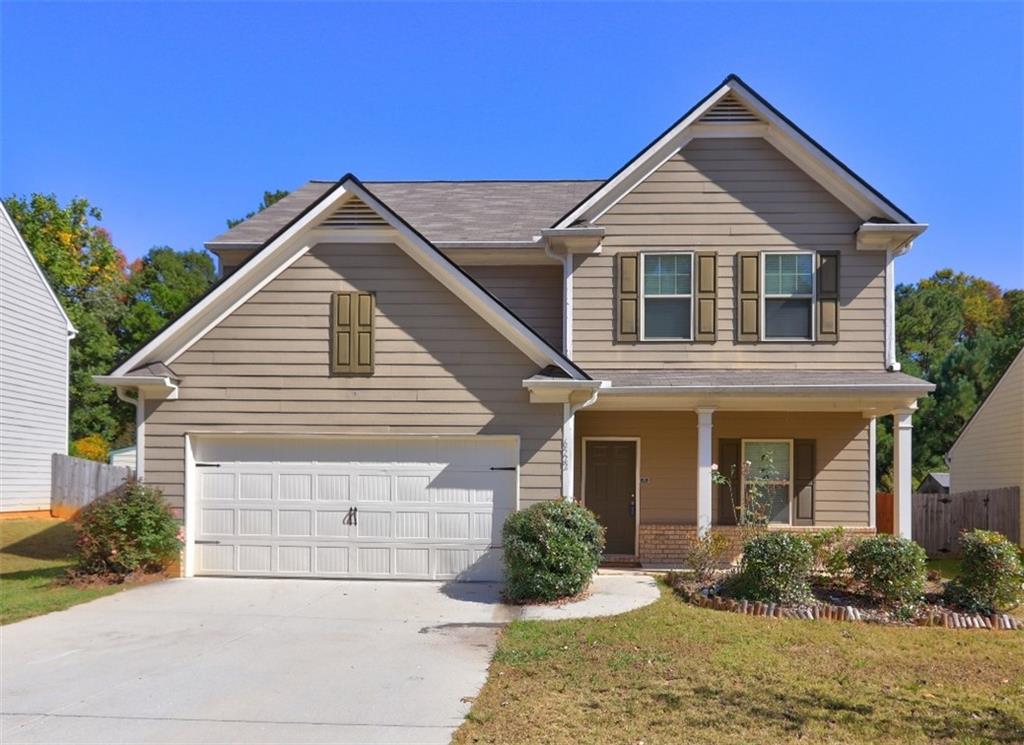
(733, 109)
(1014, 370)
(350, 199)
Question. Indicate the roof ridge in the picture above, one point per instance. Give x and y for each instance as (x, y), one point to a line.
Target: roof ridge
(474, 181)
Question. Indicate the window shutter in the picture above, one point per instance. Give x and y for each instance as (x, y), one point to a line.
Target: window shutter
(352, 325)
(803, 481)
(728, 466)
(705, 297)
(828, 296)
(748, 297)
(628, 298)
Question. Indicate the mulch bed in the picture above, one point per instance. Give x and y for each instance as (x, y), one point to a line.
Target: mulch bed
(84, 580)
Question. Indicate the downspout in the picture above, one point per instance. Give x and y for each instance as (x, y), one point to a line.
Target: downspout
(139, 402)
(569, 410)
(891, 363)
(566, 262)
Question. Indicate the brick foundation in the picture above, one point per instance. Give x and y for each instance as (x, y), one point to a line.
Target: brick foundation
(663, 543)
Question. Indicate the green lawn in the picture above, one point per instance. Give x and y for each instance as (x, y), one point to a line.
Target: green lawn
(948, 568)
(672, 673)
(32, 553)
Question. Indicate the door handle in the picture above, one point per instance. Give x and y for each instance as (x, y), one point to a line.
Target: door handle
(632, 505)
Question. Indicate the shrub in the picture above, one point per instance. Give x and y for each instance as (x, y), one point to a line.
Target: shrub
(991, 575)
(91, 447)
(552, 549)
(705, 555)
(127, 531)
(831, 551)
(775, 568)
(891, 568)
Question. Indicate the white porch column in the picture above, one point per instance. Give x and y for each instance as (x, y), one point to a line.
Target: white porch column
(568, 452)
(903, 486)
(704, 462)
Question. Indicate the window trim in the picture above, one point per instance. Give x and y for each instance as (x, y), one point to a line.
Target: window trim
(642, 296)
(743, 477)
(812, 296)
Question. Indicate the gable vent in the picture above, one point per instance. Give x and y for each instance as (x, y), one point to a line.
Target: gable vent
(355, 213)
(730, 110)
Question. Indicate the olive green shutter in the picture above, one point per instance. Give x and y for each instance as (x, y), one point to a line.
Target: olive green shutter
(748, 297)
(728, 466)
(803, 482)
(627, 328)
(706, 303)
(352, 337)
(828, 296)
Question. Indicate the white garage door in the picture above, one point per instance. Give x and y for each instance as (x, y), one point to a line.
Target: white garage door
(413, 508)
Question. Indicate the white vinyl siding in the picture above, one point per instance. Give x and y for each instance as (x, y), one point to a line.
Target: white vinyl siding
(33, 378)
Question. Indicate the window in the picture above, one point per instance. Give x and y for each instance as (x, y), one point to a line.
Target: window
(771, 466)
(667, 309)
(788, 296)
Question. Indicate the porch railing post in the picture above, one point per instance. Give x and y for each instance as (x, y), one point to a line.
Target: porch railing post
(704, 463)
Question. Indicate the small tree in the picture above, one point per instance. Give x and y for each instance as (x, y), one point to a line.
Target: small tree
(749, 489)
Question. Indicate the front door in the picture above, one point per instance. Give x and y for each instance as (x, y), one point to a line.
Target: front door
(610, 492)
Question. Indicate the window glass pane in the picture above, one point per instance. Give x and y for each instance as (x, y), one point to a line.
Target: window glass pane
(788, 274)
(667, 318)
(667, 274)
(770, 461)
(787, 319)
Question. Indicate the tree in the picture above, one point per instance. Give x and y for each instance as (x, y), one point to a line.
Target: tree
(269, 198)
(161, 286)
(87, 274)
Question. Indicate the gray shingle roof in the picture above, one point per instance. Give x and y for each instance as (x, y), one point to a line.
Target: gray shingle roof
(443, 211)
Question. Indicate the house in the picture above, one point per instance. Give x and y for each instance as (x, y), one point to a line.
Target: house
(935, 482)
(388, 369)
(35, 334)
(989, 452)
(123, 457)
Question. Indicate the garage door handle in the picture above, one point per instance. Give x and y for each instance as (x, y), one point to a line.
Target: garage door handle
(217, 543)
(503, 468)
(355, 515)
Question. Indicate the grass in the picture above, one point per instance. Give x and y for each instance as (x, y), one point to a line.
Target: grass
(672, 672)
(34, 552)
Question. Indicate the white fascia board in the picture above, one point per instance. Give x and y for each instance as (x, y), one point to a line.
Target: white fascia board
(155, 386)
(658, 152)
(232, 292)
(828, 389)
(442, 269)
(72, 331)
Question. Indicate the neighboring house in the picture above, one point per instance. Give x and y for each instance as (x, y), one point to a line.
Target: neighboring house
(35, 334)
(989, 453)
(934, 483)
(123, 457)
(388, 369)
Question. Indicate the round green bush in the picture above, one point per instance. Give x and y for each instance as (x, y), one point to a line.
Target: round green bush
(775, 568)
(552, 549)
(991, 575)
(127, 531)
(891, 568)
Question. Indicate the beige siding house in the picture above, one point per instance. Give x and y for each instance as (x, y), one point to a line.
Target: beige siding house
(989, 453)
(388, 369)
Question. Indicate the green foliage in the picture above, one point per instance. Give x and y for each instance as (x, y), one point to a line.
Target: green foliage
(127, 531)
(891, 568)
(269, 198)
(114, 308)
(831, 551)
(705, 555)
(775, 568)
(960, 332)
(991, 574)
(552, 549)
(91, 447)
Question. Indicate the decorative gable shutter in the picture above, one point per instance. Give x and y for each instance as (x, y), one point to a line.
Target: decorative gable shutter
(627, 328)
(828, 296)
(728, 466)
(748, 297)
(705, 295)
(803, 481)
(352, 333)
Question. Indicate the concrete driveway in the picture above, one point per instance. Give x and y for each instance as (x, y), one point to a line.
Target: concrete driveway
(251, 660)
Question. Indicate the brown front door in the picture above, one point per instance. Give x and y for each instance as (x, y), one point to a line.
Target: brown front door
(610, 492)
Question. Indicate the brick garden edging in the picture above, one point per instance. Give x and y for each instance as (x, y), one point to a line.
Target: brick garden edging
(826, 612)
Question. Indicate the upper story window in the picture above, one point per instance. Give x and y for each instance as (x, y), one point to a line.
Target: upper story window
(788, 296)
(667, 296)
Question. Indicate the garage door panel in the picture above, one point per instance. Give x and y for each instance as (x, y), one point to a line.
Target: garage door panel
(437, 517)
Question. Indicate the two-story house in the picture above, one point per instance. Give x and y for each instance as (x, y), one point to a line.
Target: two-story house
(389, 369)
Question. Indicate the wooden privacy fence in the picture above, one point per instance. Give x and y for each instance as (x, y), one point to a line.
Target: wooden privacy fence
(938, 519)
(75, 482)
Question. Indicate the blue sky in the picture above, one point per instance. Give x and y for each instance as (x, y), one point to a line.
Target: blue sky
(173, 117)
